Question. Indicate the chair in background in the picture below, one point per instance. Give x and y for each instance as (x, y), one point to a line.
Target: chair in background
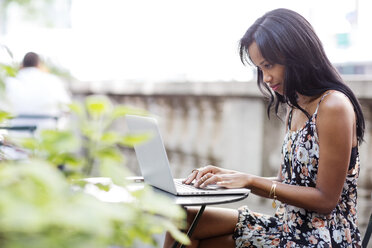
(22, 126)
(10, 151)
(31, 123)
(40, 117)
(30, 129)
(36, 119)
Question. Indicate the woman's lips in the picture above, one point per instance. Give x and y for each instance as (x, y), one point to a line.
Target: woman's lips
(275, 87)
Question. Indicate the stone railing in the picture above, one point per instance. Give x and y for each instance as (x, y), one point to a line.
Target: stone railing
(224, 124)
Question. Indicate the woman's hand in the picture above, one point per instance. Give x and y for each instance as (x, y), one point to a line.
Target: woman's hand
(236, 180)
(215, 175)
(197, 174)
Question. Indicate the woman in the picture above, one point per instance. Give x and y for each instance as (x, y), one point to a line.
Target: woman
(316, 184)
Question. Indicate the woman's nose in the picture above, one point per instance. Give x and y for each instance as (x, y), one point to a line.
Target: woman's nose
(267, 78)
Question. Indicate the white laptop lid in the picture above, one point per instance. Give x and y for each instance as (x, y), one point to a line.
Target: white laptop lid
(151, 155)
(154, 163)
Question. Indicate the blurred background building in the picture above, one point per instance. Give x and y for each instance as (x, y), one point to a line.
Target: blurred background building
(179, 60)
(167, 40)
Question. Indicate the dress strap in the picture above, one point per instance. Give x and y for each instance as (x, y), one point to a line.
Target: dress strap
(321, 99)
(290, 119)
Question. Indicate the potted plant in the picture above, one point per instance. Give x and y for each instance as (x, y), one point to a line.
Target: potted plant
(44, 201)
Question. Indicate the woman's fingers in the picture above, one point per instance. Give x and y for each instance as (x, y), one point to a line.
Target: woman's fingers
(202, 174)
(191, 177)
(207, 169)
(206, 179)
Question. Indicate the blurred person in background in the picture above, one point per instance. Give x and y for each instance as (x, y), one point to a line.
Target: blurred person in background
(317, 177)
(36, 97)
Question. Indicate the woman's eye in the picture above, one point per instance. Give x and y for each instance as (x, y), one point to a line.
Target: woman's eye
(268, 66)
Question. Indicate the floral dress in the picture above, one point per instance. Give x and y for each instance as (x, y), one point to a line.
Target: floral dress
(297, 227)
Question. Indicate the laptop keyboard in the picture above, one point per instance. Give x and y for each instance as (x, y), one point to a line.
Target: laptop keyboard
(181, 187)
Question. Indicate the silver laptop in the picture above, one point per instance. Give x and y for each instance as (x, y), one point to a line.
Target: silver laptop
(154, 163)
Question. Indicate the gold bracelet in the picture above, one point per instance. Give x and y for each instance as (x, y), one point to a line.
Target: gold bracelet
(272, 192)
(272, 189)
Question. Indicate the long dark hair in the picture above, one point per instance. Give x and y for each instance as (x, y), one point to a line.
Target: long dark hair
(285, 37)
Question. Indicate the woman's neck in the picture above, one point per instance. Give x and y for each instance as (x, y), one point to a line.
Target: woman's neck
(303, 101)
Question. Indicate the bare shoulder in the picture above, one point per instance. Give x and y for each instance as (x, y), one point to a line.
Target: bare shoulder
(336, 104)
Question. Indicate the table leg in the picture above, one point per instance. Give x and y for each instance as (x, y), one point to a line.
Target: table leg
(193, 225)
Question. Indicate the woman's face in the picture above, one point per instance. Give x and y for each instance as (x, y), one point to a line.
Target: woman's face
(273, 74)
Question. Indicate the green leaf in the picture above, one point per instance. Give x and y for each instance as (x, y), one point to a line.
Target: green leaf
(78, 182)
(87, 130)
(176, 233)
(103, 187)
(28, 143)
(66, 159)
(133, 139)
(97, 106)
(77, 108)
(122, 110)
(59, 141)
(10, 71)
(5, 116)
(109, 153)
(71, 160)
(110, 138)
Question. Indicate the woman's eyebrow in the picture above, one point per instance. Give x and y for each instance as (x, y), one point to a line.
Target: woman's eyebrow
(260, 64)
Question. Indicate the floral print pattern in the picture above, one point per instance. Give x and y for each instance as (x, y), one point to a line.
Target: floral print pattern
(296, 227)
